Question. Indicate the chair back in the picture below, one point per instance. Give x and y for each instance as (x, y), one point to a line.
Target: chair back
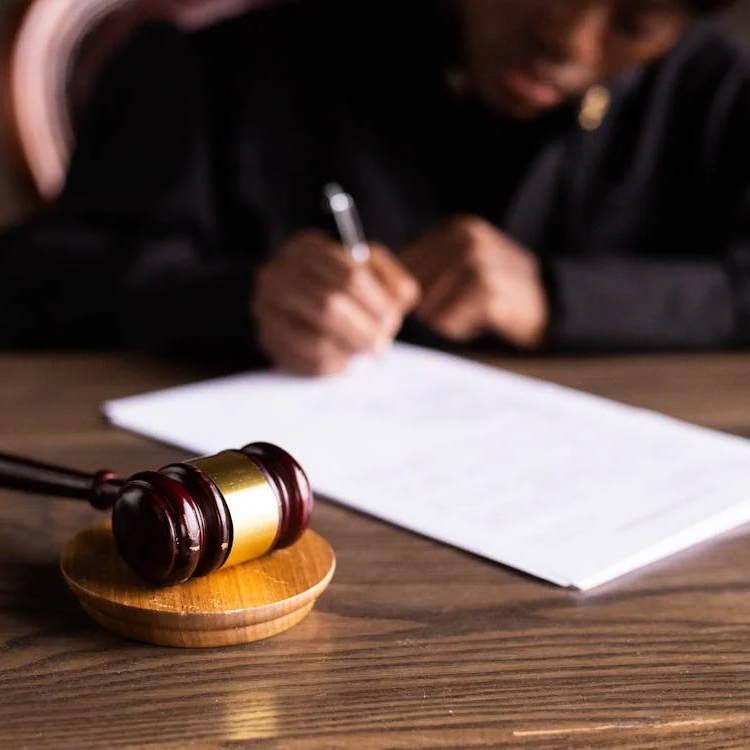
(58, 50)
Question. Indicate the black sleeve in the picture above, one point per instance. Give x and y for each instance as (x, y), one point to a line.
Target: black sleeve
(130, 254)
(699, 301)
(640, 304)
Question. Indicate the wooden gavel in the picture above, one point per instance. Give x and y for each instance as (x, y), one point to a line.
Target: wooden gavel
(187, 519)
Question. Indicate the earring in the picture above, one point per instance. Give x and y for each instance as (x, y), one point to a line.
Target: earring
(594, 107)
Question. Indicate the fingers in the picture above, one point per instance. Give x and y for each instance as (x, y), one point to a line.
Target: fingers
(315, 307)
(427, 259)
(451, 245)
(451, 272)
(477, 280)
(331, 314)
(382, 286)
(295, 348)
(521, 312)
(381, 281)
(454, 306)
(318, 257)
(395, 278)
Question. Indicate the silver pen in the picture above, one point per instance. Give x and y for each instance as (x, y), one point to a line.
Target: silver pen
(346, 216)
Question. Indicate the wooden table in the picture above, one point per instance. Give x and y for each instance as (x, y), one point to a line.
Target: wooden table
(414, 645)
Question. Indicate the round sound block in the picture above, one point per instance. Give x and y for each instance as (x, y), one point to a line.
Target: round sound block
(243, 603)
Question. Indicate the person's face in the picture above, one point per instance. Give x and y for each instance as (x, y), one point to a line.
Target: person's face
(525, 57)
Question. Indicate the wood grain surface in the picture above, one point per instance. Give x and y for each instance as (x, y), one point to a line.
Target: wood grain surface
(237, 604)
(413, 645)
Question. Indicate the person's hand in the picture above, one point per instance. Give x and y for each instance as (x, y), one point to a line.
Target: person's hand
(315, 307)
(476, 280)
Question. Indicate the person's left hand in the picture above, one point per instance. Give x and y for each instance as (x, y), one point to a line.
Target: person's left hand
(476, 280)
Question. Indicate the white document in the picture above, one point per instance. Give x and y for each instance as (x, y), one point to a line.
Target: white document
(565, 486)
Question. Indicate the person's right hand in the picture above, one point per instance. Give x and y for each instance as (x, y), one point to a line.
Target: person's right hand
(315, 307)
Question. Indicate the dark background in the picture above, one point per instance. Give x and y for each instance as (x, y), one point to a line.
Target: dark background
(14, 197)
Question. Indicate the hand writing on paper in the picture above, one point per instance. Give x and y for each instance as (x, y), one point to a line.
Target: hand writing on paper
(476, 280)
(315, 307)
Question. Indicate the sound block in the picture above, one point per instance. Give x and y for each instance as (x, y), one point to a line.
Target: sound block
(243, 603)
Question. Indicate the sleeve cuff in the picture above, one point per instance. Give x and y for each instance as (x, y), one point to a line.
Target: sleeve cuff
(638, 304)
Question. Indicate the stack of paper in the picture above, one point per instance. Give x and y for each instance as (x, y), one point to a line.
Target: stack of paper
(566, 486)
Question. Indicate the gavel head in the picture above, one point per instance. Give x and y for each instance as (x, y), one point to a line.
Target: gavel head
(188, 519)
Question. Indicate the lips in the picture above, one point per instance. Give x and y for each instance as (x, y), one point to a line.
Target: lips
(528, 86)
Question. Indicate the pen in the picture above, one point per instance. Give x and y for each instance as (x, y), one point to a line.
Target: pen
(346, 216)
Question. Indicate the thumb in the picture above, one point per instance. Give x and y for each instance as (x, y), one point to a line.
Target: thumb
(393, 276)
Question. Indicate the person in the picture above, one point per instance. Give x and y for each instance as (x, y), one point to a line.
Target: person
(540, 175)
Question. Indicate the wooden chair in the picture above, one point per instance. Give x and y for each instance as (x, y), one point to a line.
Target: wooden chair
(60, 46)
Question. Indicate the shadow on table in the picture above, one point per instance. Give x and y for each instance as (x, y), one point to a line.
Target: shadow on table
(35, 600)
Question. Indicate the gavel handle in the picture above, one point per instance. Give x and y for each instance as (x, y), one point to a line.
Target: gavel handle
(100, 489)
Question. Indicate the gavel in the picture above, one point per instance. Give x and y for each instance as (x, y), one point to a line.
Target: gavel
(187, 519)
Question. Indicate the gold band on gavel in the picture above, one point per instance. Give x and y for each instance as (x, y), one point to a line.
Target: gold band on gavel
(252, 504)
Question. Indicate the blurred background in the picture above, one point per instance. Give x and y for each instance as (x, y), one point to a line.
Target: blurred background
(50, 47)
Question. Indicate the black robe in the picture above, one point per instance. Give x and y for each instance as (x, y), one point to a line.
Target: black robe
(201, 152)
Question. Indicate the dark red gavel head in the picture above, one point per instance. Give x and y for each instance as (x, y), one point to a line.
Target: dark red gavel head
(191, 518)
